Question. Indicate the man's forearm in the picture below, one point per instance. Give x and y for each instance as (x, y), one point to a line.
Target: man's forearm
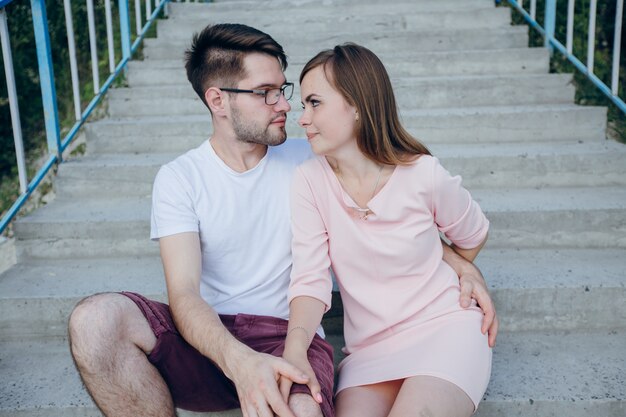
(202, 328)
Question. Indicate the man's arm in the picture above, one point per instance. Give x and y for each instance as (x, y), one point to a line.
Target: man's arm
(254, 374)
(473, 285)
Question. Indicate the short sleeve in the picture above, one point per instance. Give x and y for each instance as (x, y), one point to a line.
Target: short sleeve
(456, 214)
(310, 275)
(172, 205)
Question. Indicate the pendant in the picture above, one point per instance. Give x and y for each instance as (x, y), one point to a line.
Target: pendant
(362, 213)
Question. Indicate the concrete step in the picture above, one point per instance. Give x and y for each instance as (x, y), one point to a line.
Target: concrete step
(113, 175)
(90, 228)
(527, 165)
(572, 217)
(481, 165)
(533, 374)
(540, 123)
(544, 289)
(534, 289)
(37, 297)
(431, 64)
(500, 124)
(147, 134)
(425, 41)
(305, 8)
(410, 92)
(359, 21)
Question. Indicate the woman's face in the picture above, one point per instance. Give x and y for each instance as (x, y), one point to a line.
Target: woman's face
(328, 119)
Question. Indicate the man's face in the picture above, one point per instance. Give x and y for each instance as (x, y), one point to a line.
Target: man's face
(253, 121)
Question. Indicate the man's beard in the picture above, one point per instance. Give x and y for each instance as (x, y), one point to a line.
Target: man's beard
(248, 132)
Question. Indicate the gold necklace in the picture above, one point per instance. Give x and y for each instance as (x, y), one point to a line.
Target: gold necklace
(364, 212)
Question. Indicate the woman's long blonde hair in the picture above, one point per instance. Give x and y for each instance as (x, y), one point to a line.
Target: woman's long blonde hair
(361, 78)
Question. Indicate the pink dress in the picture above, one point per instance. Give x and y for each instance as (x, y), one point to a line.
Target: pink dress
(402, 315)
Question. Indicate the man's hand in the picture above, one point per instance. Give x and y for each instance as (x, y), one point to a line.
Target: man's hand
(301, 362)
(473, 286)
(256, 377)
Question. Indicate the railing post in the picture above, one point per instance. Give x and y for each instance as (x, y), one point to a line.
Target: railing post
(617, 45)
(46, 77)
(13, 102)
(125, 29)
(550, 23)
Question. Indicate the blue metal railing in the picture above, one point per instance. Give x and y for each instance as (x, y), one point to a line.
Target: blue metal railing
(548, 33)
(56, 144)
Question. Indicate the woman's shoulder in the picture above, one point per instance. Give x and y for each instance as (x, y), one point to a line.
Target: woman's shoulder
(421, 164)
(313, 166)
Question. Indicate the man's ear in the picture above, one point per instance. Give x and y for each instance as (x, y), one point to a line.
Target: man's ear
(214, 98)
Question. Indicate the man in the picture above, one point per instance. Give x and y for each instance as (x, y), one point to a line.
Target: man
(221, 215)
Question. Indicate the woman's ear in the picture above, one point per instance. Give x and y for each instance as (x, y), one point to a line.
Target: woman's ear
(214, 98)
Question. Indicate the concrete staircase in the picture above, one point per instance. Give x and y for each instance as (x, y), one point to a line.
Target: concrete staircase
(470, 88)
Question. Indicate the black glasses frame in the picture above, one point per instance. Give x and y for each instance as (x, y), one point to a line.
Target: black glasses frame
(266, 93)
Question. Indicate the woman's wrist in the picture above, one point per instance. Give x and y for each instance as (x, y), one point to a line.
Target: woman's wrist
(297, 341)
(301, 330)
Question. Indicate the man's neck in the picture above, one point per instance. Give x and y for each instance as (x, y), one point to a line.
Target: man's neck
(238, 156)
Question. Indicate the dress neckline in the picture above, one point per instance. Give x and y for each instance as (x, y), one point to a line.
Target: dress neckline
(347, 199)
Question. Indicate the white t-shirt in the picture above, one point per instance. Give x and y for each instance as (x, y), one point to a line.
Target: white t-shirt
(243, 220)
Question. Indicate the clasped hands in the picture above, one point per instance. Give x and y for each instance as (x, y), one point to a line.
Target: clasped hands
(263, 383)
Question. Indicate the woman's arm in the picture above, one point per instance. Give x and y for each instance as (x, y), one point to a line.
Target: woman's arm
(305, 316)
(310, 290)
(469, 254)
(473, 285)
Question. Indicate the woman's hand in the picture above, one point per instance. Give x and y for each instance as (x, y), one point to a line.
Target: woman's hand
(300, 361)
(473, 286)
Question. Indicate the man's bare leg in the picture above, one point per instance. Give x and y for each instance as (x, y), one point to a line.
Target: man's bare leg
(303, 405)
(109, 340)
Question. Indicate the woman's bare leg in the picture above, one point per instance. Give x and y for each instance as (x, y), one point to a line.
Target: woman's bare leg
(426, 396)
(368, 400)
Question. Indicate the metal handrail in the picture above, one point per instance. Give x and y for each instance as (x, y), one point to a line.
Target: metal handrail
(551, 42)
(56, 144)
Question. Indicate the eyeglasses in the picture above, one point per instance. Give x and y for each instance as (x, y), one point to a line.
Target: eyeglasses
(271, 96)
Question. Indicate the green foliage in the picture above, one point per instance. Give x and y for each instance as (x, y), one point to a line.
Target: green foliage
(25, 66)
(586, 92)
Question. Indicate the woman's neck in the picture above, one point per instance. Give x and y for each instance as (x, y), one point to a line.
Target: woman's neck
(354, 166)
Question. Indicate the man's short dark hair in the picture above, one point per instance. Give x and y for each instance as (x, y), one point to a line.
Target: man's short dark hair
(215, 58)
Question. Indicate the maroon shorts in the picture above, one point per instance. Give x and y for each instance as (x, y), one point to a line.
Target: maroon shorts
(197, 384)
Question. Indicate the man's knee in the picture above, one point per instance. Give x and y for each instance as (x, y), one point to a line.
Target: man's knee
(100, 320)
(303, 405)
(88, 311)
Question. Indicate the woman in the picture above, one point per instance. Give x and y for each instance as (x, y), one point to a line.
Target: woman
(371, 206)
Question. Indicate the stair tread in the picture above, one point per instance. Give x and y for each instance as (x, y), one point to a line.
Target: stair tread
(387, 58)
(457, 111)
(75, 210)
(184, 90)
(461, 151)
(527, 368)
(71, 278)
(551, 199)
(409, 33)
(303, 5)
(503, 269)
(501, 200)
